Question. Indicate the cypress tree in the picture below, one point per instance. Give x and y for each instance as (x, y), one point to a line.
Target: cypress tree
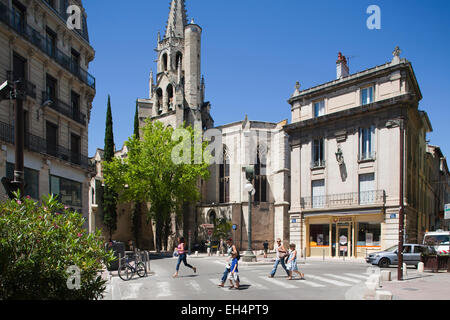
(136, 216)
(109, 196)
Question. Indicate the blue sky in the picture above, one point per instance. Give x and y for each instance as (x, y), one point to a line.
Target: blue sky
(253, 52)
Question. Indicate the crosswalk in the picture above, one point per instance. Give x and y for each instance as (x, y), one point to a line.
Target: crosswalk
(166, 288)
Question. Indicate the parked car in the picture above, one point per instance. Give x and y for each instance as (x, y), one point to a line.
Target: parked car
(383, 259)
(438, 240)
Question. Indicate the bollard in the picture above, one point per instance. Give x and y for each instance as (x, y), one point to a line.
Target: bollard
(405, 271)
(420, 267)
(196, 253)
(383, 295)
(217, 253)
(385, 275)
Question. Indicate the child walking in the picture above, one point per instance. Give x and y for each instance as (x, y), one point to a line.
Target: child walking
(234, 273)
(292, 263)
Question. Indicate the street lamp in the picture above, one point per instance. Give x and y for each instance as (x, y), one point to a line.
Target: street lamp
(249, 256)
(16, 91)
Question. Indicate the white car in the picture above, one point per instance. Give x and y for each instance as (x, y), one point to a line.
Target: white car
(439, 240)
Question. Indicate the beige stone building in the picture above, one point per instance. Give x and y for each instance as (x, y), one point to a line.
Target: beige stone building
(37, 46)
(177, 95)
(345, 161)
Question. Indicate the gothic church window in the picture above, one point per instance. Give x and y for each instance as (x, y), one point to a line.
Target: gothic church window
(224, 178)
(260, 181)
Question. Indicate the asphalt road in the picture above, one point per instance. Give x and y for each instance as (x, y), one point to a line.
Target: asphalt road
(323, 281)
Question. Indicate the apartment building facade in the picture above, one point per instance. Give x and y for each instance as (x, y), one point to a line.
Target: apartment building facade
(346, 162)
(38, 47)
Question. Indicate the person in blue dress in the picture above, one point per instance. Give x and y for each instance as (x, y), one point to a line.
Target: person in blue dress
(292, 263)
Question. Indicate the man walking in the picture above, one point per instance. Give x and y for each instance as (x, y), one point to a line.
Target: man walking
(266, 248)
(281, 254)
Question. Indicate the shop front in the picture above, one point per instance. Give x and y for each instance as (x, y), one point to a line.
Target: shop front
(343, 236)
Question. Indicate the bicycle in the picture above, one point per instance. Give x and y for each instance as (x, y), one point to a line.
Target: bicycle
(127, 271)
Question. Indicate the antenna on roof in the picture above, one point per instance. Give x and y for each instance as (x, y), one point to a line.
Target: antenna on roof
(348, 60)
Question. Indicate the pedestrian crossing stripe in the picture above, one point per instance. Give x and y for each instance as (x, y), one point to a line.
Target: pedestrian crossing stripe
(252, 283)
(280, 283)
(194, 285)
(343, 278)
(335, 282)
(363, 277)
(163, 289)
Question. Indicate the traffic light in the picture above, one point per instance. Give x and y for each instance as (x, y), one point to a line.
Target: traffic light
(9, 186)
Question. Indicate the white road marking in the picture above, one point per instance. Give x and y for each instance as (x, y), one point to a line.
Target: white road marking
(343, 278)
(360, 276)
(131, 291)
(194, 285)
(245, 281)
(163, 288)
(335, 282)
(310, 283)
(282, 283)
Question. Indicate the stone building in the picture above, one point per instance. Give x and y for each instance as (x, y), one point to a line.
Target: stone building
(177, 96)
(37, 46)
(345, 140)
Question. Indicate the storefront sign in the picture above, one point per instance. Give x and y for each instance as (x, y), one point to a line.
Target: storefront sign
(343, 240)
(447, 211)
(343, 248)
(342, 219)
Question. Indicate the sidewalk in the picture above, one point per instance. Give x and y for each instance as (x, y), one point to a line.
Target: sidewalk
(419, 285)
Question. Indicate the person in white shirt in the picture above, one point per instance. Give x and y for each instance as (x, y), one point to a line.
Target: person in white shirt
(281, 254)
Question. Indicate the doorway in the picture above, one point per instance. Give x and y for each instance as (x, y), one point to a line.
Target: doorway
(343, 242)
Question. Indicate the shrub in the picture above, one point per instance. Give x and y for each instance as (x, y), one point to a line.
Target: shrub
(38, 242)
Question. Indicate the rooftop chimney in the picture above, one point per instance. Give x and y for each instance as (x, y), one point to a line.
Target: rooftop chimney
(341, 67)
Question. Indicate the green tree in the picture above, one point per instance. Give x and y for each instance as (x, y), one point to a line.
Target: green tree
(153, 177)
(109, 203)
(38, 243)
(222, 230)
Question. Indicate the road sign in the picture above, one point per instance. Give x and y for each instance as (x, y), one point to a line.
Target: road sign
(209, 232)
(207, 226)
(234, 226)
(447, 211)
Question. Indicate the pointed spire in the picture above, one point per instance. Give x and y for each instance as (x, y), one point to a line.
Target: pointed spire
(150, 94)
(177, 19)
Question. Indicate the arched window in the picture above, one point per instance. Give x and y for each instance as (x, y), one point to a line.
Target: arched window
(159, 100)
(164, 62)
(212, 217)
(224, 178)
(170, 97)
(260, 181)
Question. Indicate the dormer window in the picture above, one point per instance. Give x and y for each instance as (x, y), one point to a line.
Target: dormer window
(367, 95)
(319, 108)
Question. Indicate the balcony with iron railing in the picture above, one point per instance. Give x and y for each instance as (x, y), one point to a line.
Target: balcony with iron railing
(64, 109)
(317, 164)
(344, 200)
(33, 36)
(37, 144)
(30, 88)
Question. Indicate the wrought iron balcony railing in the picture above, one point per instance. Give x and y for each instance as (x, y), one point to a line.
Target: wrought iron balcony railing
(37, 144)
(45, 45)
(65, 109)
(370, 155)
(344, 200)
(30, 88)
(317, 164)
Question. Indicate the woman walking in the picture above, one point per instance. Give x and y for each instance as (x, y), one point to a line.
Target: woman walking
(231, 249)
(182, 257)
(292, 262)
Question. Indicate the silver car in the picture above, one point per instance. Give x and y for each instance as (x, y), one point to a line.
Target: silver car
(383, 259)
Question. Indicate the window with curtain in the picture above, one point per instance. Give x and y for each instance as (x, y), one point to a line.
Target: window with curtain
(318, 157)
(318, 193)
(319, 108)
(367, 143)
(367, 192)
(367, 95)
